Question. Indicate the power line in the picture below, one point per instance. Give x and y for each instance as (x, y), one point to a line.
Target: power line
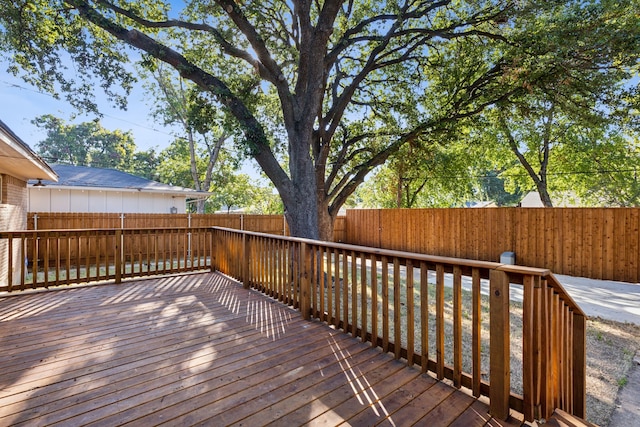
(14, 85)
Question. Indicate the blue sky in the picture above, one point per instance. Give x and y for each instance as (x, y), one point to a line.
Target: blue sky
(20, 103)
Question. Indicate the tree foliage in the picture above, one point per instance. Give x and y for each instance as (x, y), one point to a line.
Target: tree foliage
(340, 86)
(85, 144)
(200, 124)
(560, 128)
(239, 191)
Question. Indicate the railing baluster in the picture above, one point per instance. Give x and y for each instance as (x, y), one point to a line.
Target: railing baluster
(45, 261)
(410, 313)
(118, 255)
(397, 329)
(10, 262)
(578, 357)
(68, 260)
(457, 326)
(385, 304)
(337, 286)
(327, 285)
(24, 249)
(322, 282)
(528, 347)
(345, 291)
(440, 321)
(374, 301)
(246, 261)
(34, 261)
(57, 257)
(476, 332)
(363, 296)
(424, 315)
(305, 263)
(354, 295)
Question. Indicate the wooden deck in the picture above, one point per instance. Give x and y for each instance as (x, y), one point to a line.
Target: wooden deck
(200, 349)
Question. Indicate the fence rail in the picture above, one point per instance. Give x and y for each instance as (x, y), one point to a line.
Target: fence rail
(398, 301)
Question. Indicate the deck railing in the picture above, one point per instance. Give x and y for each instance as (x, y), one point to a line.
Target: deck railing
(436, 312)
(43, 258)
(452, 317)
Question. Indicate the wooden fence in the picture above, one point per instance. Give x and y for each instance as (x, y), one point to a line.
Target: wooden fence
(600, 243)
(271, 224)
(399, 301)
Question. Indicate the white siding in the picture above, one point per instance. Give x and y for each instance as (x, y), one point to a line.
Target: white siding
(79, 201)
(39, 199)
(97, 201)
(131, 203)
(114, 201)
(59, 200)
(45, 199)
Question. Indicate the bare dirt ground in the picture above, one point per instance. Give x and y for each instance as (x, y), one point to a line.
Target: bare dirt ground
(611, 347)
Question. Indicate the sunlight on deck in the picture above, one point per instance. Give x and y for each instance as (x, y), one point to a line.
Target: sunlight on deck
(362, 390)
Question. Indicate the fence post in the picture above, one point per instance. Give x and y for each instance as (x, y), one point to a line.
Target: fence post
(499, 371)
(119, 252)
(579, 365)
(305, 283)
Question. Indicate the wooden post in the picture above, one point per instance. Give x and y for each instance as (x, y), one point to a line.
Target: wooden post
(529, 350)
(499, 374)
(305, 284)
(245, 261)
(579, 365)
(118, 255)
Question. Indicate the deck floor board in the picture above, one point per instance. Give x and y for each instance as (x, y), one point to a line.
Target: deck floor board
(201, 349)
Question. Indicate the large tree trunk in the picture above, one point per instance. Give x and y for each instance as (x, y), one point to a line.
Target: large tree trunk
(302, 217)
(325, 222)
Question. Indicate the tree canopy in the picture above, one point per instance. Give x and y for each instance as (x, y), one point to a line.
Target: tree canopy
(85, 144)
(323, 92)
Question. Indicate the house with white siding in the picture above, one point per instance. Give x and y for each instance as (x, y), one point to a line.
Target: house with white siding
(82, 189)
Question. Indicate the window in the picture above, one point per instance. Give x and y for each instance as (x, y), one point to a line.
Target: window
(1, 191)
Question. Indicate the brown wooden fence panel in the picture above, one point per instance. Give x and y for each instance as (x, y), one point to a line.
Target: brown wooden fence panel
(271, 224)
(340, 229)
(601, 243)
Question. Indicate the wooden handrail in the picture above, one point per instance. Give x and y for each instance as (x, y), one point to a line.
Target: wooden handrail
(367, 292)
(338, 283)
(44, 258)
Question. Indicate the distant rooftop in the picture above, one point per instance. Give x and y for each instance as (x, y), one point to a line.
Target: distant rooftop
(71, 176)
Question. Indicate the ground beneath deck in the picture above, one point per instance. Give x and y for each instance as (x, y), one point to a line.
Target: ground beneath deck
(200, 349)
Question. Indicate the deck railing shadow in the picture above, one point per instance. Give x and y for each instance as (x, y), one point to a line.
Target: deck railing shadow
(387, 298)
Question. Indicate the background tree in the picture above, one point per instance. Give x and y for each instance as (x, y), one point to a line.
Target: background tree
(238, 192)
(605, 172)
(85, 144)
(421, 174)
(352, 81)
(145, 164)
(201, 125)
(557, 124)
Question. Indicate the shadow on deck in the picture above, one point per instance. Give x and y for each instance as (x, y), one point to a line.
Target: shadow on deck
(200, 349)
